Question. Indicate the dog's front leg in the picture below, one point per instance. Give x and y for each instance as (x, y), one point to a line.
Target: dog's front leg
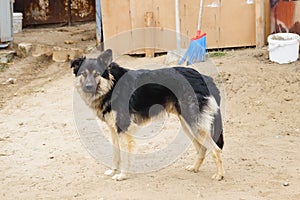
(127, 145)
(116, 154)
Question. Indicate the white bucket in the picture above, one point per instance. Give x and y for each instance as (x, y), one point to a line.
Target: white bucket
(17, 22)
(283, 47)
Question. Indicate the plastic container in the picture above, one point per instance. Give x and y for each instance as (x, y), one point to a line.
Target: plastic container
(17, 22)
(283, 47)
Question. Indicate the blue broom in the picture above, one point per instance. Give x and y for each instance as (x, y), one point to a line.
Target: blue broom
(197, 48)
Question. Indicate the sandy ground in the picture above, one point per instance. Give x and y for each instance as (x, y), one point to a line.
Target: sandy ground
(42, 157)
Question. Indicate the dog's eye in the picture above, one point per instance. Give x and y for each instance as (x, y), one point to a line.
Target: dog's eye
(97, 74)
(84, 73)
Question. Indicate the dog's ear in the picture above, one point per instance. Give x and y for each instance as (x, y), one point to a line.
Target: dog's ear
(76, 63)
(105, 58)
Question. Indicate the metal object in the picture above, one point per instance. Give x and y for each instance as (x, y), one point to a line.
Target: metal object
(37, 12)
(6, 31)
(82, 10)
(285, 17)
(69, 13)
(177, 19)
(99, 22)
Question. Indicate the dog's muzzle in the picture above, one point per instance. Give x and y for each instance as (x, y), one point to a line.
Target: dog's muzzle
(89, 89)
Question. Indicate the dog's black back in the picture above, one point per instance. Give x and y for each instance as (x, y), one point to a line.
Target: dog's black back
(142, 100)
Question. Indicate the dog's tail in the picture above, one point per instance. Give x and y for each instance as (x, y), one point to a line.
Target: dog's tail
(217, 130)
(220, 141)
(217, 125)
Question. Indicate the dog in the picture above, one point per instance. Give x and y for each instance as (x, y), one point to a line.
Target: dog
(122, 98)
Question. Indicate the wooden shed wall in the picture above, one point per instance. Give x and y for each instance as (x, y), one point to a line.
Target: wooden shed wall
(229, 23)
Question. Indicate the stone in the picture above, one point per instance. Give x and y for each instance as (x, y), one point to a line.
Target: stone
(6, 56)
(285, 184)
(25, 49)
(174, 56)
(10, 81)
(69, 42)
(60, 54)
(75, 53)
(42, 50)
(66, 54)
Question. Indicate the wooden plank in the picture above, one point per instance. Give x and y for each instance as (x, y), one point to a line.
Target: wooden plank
(114, 21)
(237, 23)
(267, 19)
(164, 20)
(260, 23)
(210, 20)
(149, 37)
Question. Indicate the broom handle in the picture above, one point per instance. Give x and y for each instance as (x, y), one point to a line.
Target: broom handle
(177, 19)
(200, 15)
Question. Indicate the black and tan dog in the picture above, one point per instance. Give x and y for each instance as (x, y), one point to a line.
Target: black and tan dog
(123, 98)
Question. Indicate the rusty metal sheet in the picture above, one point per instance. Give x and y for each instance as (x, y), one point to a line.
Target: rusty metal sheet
(44, 11)
(6, 33)
(285, 16)
(55, 11)
(83, 10)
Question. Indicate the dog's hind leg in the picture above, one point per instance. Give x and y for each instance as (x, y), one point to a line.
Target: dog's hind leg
(219, 175)
(199, 159)
(200, 149)
(116, 154)
(205, 139)
(127, 145)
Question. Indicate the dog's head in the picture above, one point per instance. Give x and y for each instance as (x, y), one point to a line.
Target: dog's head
(91, 73)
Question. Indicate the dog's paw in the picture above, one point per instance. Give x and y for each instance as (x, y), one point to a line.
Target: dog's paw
(120, 177)
(110, 172)
(191, 168)
(218, 177)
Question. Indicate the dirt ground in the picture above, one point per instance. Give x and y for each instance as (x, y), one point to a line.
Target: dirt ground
(42, 157)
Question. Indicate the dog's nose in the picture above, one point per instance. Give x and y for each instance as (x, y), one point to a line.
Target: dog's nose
(89, 86)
